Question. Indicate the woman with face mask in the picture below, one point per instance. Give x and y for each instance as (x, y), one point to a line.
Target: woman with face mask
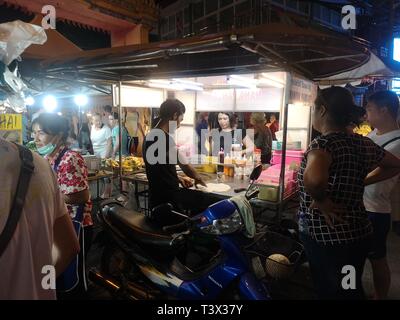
(50, 132)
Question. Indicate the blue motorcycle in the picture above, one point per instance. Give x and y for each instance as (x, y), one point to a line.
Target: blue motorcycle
(200, 258)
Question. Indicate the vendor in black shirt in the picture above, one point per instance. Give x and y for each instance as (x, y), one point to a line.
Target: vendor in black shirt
(161, 157)
(226, 134)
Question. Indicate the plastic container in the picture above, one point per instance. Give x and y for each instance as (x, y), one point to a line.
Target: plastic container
(268, 192)
(290, 145)
(276, 145)
(236, 151)
(292, 157)
(240, 169)
(209, 168)
(228, 166)
(92, 162)
(228, 159)
(268, 183)
(272, 175)
(293, 145)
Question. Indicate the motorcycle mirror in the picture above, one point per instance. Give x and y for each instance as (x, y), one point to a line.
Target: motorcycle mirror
(255, 174)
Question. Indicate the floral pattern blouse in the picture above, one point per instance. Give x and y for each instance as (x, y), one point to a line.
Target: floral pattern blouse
(72, 176)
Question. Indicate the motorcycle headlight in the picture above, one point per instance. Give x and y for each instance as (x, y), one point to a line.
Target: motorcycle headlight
(224, 226)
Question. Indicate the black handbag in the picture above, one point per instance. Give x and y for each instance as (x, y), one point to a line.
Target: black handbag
(25, 174)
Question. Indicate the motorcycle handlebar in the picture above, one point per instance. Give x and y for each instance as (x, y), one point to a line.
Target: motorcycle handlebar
(179, 237)
(250, 194)
(175, 227)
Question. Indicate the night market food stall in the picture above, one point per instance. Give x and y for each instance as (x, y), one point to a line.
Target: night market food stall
(250, 57)
(225, 72)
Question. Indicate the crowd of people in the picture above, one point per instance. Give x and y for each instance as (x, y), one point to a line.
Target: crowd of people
(345, 181)
(218, 131)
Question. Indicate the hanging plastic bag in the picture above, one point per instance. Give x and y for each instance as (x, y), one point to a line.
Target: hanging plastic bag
(16, 36)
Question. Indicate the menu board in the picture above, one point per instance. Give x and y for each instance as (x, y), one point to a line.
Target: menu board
(302, 91)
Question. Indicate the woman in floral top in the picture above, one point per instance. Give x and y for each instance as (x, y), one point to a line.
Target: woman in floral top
(334, 225)
(51, 132)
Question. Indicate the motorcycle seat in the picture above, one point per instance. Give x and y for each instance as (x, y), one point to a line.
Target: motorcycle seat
(136, 227)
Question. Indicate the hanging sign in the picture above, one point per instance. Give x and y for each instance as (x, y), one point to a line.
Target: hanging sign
(302, 91)
(11, 127)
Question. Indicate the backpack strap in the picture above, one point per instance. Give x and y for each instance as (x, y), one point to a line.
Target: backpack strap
(25, 174)
(390, 141)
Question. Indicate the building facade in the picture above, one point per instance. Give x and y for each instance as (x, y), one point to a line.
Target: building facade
(186, 18)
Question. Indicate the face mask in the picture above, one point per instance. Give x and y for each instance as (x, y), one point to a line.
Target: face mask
(47, 149)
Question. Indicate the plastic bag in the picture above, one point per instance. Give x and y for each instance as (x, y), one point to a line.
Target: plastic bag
(16, 36)
(10, 81)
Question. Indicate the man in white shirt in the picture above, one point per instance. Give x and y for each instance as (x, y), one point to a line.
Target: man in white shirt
(44, 235)
(100, 135)
(382, 110)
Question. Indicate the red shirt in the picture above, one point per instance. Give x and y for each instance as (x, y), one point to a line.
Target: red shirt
(72, 176)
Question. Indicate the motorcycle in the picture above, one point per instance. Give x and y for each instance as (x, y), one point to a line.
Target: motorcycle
(199, 258)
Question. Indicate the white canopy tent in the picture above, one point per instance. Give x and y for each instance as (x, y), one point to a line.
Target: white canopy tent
(373, 68)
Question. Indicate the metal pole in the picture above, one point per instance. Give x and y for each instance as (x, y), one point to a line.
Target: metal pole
(120, 134)
(79, 122)
(283, 161)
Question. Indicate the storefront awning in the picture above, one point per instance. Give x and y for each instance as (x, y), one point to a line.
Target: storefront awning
(276, 46)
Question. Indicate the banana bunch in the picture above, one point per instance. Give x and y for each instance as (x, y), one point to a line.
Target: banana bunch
(129, 164)
(112, 163)
(132, 163)
(363, 129)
